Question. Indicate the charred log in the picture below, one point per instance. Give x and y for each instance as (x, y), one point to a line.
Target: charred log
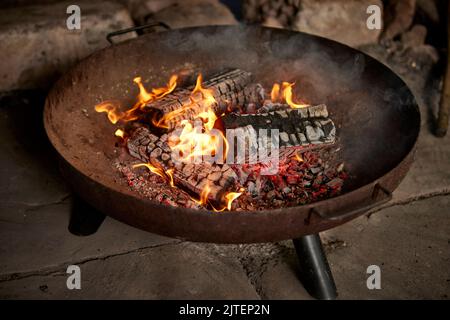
(299, 130)
(192, 177)
(231, 90)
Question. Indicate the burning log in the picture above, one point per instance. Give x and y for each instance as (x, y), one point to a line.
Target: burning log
(204, 120)
(299, 129)
(230, 90)
(218, 179)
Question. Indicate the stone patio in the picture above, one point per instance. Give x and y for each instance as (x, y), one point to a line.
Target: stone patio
(409, 238)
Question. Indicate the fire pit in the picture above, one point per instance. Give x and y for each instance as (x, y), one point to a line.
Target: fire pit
(365, 113)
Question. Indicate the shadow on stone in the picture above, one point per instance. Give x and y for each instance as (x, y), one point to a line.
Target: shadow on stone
(84, 219)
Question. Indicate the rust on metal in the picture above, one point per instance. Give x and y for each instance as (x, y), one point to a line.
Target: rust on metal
(378, 137)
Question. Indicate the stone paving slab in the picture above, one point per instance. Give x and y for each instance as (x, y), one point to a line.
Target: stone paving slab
(273, 270)
(42, 242)
(333, 19)
(410, 243)
(193, 13)
(177, 271)
(40, 47)
(35, 204)
(30, 175)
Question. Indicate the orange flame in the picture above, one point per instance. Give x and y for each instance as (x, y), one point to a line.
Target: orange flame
(144, 97)
(285, 93)
(192, 141)
(203, 196)
(196, 141)
(201, 102)
(298, 157)
(152, 168)
(230, 197)
(275, 93)
(170, 175)
(110, 108)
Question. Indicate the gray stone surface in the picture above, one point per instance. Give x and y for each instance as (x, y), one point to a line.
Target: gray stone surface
(37, 47)
(35, 204)
(398, 18)
(30, 176)
(39, 241)
(272, 269)
(177, 271)
(410, 243)
(183, 14)
(140, 9)
(340, 20)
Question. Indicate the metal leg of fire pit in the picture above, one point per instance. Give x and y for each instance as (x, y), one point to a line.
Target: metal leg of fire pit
(315, 273)
(84, 220)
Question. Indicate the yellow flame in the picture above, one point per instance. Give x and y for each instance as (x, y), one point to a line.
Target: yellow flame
(284, 92)
(298, 157)
(152, 168)
(158, 93)
(287, 95)
(170, 175)
(119, 133)
(196, 141)
(111, 109)
(203, 196)
(229, 198)
(192, 141)
(143, 96)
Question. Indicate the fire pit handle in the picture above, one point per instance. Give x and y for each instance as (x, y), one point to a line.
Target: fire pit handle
(339, 216)
(110, 35)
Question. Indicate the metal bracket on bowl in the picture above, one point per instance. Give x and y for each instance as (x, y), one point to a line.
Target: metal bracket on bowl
(110, 35)
(339, 216)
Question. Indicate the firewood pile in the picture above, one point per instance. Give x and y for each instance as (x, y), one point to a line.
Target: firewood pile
(260, 131)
